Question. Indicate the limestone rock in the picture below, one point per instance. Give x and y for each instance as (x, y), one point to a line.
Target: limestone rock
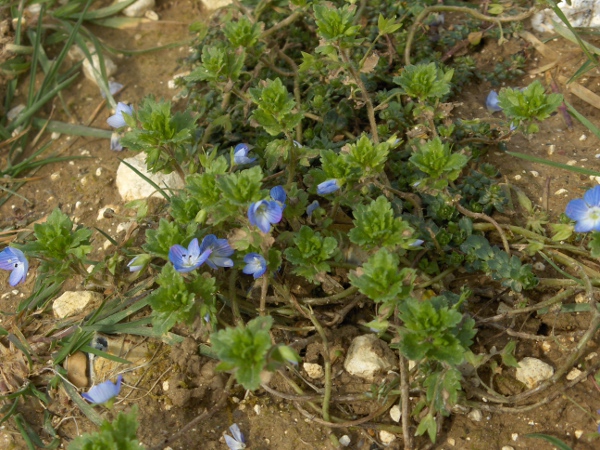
(532, 371)
(215, 4)
(133, 187)
(74, 302)
(314, 371)
(367, 356)
(580, 13)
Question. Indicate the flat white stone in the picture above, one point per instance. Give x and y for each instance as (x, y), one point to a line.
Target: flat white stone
(580, 13)
(133, 187)
(215, 4)
(395, 413)
(74, 302)
(475, 415)
(533, 371)
(386, 437)
(367, 356)
(313, 370)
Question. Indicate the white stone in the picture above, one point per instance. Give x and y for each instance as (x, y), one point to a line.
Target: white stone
(578, 434)
(74, 302)
(215, 4)
(386, 437)
(344, 440)
(165, 385)
(514, 436)
(91, 69)
(138, 8)
(508, 447)
(451, 442)
(580, 13)
(532, 371)
(395, 413)
(55, 176)
(367, 356)
(475, 415)
(132, 187)
(313, 370)
(574, 373)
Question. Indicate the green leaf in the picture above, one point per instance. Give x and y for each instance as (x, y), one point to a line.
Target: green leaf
(551, 439)
(219, 64)
(159, 241)
(425, 81)
(375, 226)
(310, 253)
(381, 280)
(508, 354)
(436, 160)
(241, 188)
(366, 158)
(242, 33)
(594, 244)
(244, 350)
(530, 104)
(337, 24)
(387, 26)
(429, 426)
(274, 107)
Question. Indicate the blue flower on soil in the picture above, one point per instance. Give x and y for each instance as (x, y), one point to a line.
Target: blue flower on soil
(491, 102)
(103, 392)
(237, 442)
(240, 154)
(117, 120)
(278, 194)
(188, 259)
(14, 260)
(256, 265)
(218, 251)
(328, 187)
(264, 213)
(586, 211)
(312, 207)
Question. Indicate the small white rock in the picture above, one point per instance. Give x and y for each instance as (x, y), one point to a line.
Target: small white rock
(151, 15)
(574, 373)
(55, 135)
(596, 179)
(386, 437)
(74, 302)
(313, 370)
(215, 4)
(106, 245)
(571, 162)
(508, 447)
(514, 437)
(581, 298)
(165, 385)
(344, 440)
(533, 371)
(551, 149)
(561, 191)
(257, 409)
(91, 70)
(395, 413)
(535, 173)
(99, 171)
(367, 356)
(55, 176)
(84, 181)
(539, 266)
(578, 434)
(518, 177)
(138, 8)
(451, 442)
(583, 137)
(591, 356)
(475, 415)
(77, 204)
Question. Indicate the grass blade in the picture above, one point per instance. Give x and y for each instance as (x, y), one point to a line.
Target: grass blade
(590, 126)
(553, 440)
(558, 165)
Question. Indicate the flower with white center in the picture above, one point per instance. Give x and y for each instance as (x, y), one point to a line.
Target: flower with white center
(240, 154)
(586, 211)
(237, 442)
(117, 120)
(492, 103)
(14, 260)
(256, 265)
(187, 259)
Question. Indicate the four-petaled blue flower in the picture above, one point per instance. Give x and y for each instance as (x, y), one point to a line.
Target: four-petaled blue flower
(237, 442)
(240, 154)
(218, 251)
(266, 212)
(14, 260)
(491, 102)
(586, 211)
(256, 265)
(311, 208)
(328, 187)
(103, 392)
(117, 120)
(188, 259)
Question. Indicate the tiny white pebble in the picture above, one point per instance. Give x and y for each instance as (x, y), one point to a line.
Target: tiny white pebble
(55, 176)
(561, 191)
(71, 163)
(597, 156)
(574, 373)
(583, 160)
(84, 153)
(540, 266)
(77, 205)
(55, 135)
(386, 437)
(257, 409)
(451, 442)
(535, 173)
(84, 181)
(508, 447)
(151, 15)
(571, 162)
(578, 433)
(514, 437)
(344, 440)
(551, 149)
(99, 171)
(591, 356)
(475, 415)
(165, 385)
(546, 347)
(106, 244)
(596, 179)
(583, 137)
(395, 413)
(518, 177)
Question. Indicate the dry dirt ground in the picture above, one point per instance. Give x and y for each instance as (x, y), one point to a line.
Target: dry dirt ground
(82, 187)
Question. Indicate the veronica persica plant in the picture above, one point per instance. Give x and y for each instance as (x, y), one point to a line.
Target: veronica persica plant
(218, 251)
(491, 102)
(586, 211)
(188, 259)
(117, 120)
(14, 260)
(264, 213)
(328, 187)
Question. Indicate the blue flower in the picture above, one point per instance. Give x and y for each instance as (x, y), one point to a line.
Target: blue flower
(103, 392)
(586, 211)
(138, 263)
(278, 194)
(218, 251)
(264, 213)
(113, 88)
(417, 243)
(311, 208)
(237, 442)
(14, 260)
(491, 102)
(256, 265)
(328, 187)
(117, 120)
(188, 259)
(240, 154)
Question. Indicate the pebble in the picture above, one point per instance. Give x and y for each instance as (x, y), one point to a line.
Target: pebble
(583, 137)
(386, 437)
(395, 413)
(367, 356)
(151, 15)
(518, 177)
(551, 149)
(578, 433)
(215, 4)
(313, 370)
(574, 373)
(533, 371)
(561, 191)
(475, 415)
(55, 176)
(74, 302)
(539, 266)
(508, 447)
(514, 437)
(165, 385)
(99, 171)
(55, 135)
(451, 442)
(76, 367)
(138, 8)
(571, 162)
(344, 440)
(257, 409)
(535, 173)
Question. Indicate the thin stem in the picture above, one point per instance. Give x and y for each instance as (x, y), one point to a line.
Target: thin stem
(263, 295)
(474, 215)
(364, 93)
(235, 308)
(404, 402)
(460, 9)
(284, 23)
(327, 360)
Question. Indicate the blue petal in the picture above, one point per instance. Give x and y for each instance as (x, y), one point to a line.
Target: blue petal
(115, 142)
(587, 224)
(256, 265)
(194, 248)
(273, 212)
(254, 207)
(312, 207)
(263, 224)
(103, 392)
(233, 444)
(117, 120)
(176, 253)
(592, 197)
(237, 434)
(17, 276)
(576, 209)
(491, 102)
(14, 259)
(218, 261)
(328, 187)
(278, 194)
